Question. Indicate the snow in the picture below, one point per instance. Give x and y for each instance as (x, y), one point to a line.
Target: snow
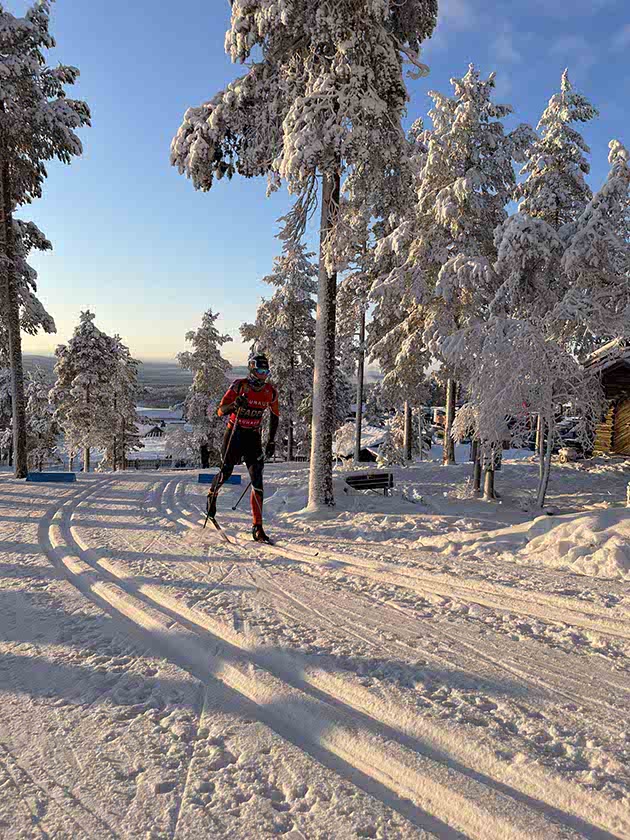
(413, 666)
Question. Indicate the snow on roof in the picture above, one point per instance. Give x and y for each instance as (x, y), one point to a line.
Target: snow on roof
(371, 436)
(154, 448)
(145, 428)
(608, 355)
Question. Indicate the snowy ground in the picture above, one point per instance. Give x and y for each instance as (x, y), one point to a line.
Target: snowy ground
(424, 665)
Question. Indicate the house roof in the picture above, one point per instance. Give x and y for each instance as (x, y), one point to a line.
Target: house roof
(608, 355)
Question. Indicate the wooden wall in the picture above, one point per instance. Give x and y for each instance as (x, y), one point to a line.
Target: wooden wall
(612, 436)
(621, 436)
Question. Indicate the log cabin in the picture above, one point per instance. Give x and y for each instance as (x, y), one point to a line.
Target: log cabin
(612, 364)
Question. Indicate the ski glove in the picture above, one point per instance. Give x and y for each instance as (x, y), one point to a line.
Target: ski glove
(270, 449)
(241, 401)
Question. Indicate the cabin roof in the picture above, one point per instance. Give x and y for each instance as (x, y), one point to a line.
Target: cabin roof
(608, 356)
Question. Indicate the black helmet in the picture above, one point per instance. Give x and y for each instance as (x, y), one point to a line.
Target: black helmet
(258, 363)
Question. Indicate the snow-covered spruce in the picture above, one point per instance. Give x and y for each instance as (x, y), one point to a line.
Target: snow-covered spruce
(285, 330)
(83, 395)
(123, 436)
(443, 249)
(597, 259)
(209, 370)
(555, 189)
(327, 94)
(530, 244)
(37, 123)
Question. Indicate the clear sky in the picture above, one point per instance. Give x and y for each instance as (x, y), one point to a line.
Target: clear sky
(137, 245)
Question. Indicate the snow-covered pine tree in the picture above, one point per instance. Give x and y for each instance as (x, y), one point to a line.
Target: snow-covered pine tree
(123, 435)
(555, 189)
(531, 280)
(210, 372)
(285, 331)
(37, 123)
(596, 306)
(42, 429)
(465, 179)
(82, 394)
(531, 242)
(326, 94)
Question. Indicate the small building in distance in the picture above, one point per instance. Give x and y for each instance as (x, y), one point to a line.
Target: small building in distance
(612, 364)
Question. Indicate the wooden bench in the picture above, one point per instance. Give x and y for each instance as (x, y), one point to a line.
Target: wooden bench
(206, 478)
(371, 481)
(50, 477)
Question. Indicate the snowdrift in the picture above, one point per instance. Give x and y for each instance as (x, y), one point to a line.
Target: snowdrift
(594, 543)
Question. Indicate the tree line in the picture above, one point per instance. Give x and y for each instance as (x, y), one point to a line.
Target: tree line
(506, 304)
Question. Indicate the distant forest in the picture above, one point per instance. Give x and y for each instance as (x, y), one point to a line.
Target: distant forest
(163, 383)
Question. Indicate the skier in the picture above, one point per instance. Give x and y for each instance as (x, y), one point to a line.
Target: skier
(245, 402)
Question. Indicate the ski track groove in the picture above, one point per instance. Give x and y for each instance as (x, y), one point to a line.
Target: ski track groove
(282, 594)
(457, 639)
(494, 597)
(58, 541)
(471, 596)
(177, 608)
(187, 653)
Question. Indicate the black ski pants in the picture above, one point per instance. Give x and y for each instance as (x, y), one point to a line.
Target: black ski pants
(245, 445)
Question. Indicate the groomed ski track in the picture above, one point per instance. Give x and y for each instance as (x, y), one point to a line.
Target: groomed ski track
(443, 772)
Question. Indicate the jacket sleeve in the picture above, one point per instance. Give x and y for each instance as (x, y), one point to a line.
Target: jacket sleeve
(274, 407)
(229, 397)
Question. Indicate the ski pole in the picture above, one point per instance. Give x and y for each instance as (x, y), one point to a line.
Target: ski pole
(242, 495)
(246, 489)
(215, 492)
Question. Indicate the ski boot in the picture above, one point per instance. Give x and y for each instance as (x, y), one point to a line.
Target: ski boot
(258, 535)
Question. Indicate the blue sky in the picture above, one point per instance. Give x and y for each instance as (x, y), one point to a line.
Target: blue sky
(137, 245)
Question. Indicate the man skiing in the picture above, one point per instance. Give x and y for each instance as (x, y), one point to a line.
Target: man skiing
(245, 403)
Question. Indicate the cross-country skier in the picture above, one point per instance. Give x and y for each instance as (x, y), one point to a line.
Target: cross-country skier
(245, 402)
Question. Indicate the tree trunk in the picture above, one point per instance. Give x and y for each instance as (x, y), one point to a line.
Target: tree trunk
(320, 491)
(360, 387)
(407, 447)
(124, 445)
(86, 449)
(448, 456)
(488, 486)
(11, 316)
(115, 455)
(204, 454)
(544, 481)
(540, 447)
(290, 438)
(291, 400)
(476, 466)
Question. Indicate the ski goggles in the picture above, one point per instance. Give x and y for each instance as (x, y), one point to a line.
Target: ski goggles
(262, 371)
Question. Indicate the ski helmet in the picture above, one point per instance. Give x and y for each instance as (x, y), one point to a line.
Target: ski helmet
(258, 365)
